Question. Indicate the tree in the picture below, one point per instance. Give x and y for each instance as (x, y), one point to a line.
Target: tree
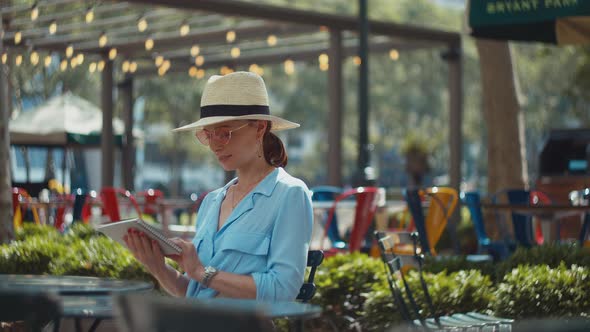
(506, 149)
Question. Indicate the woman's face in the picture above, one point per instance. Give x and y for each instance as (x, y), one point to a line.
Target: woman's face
(234, 142)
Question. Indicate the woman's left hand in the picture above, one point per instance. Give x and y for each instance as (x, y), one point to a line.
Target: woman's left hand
(188, 260)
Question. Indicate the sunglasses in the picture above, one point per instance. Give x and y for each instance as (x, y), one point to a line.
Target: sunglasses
(221, 135)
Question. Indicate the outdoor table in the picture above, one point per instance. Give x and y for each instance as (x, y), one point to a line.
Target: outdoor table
(281, 309)
(80, 297)
(547, 214)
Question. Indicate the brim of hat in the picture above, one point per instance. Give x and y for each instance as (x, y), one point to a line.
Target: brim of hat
(277, 123)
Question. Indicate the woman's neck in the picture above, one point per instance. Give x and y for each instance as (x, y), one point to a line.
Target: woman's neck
(252, 175)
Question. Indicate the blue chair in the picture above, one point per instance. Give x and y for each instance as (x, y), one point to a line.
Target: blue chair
(414, 202)
(329, 193)
(499, 250)
(521, 224)
(582, 197)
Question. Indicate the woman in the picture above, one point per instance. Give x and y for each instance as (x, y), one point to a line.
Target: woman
(253, 234)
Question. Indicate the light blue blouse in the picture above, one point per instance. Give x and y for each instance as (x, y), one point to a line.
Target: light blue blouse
(267, 236)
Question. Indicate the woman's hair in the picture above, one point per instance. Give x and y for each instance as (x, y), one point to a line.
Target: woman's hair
(273, 148)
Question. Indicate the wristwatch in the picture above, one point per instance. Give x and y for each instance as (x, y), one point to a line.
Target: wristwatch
(210, 272)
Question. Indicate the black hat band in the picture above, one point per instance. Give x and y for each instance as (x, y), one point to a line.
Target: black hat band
(233, 110)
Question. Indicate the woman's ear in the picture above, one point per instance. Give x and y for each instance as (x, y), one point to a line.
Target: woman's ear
(261, 128)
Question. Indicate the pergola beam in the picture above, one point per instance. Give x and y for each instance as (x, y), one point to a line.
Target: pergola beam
(339, 22)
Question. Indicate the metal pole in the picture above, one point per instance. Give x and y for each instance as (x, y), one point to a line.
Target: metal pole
(107, 137)
(128, 156)
(335, 115)
(453, 58)
(363, 145)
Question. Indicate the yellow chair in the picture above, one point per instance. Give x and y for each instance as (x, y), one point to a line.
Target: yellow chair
(441, 202)
(18, 195)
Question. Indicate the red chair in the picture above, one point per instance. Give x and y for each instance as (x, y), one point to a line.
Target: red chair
(539, 198)
(366, 206)
(151, 198)
(110, 202)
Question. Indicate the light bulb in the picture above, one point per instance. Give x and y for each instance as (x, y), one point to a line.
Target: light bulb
(195, 50)
(100, 65)
(47, 61)
(133, 67)
(271, 40)
(149, 44)
(289, 66)
(18, 37)
(92, 67)
(230, 36)
(53, 27)
(113, 53)
(184, 29)
(89, 15)
(103, 40)
(34, 12)
(69, 51)
(235, 52)
(142, 24)
(199, 60)
(34, 58)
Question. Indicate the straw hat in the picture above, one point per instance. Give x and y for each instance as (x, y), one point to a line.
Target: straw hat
(236, 96)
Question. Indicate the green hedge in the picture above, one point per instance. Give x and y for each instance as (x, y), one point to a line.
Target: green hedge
(541, 291)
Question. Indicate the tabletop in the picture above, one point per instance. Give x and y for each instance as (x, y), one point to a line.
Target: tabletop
(539, 210)
(70, 285)
(281, 309)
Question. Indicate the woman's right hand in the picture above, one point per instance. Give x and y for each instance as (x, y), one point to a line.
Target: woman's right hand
(146, 251)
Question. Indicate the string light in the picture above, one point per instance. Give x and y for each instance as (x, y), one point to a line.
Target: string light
(166, 65)
(200, 60)
(184, 29)
(34, 12)
(192, 71)
(142, 24)
(47, 61)
(200, 73)
(53, 27)
(69, 51)
(74, 62)
(357, 60)
(230, 36)
(18, 60)
(159, 60)
(63, 65)
(103, 40)
(89, 15)
(271, 40)
(195, 50)
(393, 54)
(235, 52)
(80, 58)
(113, 53)
(324, 60)
(92, 67)
(149, 44)
(256, 69)
(34, 58)
(133, 67)
(4, 58)
(289, 66)
(125, 66)
(18, 37)
(100, 65)
(161, 71)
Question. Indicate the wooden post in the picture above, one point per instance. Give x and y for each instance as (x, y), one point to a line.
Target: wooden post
(128, 150)
(336, 111)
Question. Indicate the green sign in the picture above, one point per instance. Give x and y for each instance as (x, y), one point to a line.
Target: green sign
(501, 12)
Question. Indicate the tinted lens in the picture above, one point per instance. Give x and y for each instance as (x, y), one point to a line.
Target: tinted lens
(203, 137)
(221, 135)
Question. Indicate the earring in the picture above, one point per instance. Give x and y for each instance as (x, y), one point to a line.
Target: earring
(259, 148)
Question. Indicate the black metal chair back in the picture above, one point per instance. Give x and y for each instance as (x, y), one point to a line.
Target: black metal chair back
(35, 310)
(308, 289)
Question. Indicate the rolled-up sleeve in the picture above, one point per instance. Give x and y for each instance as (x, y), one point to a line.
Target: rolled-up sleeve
(287, 256)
